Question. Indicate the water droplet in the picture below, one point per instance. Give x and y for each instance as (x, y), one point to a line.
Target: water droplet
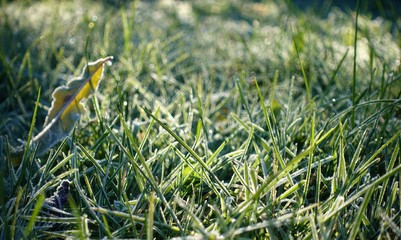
(72, 41)
(333, 100)
(125, 103)
(91, 25)
(94, 18)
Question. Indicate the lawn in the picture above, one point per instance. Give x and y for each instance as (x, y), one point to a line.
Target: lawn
(214, 120)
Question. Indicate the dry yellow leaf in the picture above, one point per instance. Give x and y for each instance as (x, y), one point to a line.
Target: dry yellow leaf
(66, 107)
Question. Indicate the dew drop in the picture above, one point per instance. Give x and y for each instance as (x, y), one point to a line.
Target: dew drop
(72, 41)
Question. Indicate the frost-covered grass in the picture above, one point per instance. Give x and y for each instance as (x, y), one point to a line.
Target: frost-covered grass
(226, 119)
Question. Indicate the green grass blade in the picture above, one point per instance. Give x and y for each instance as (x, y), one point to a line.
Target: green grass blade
(15, 215)
(306, 81)
(147, 173)
(150, 217)
(24, 164)
(353, 88)
(243, 99)
(34, 214)
(190, 150)
(270, 129)
(358, 219)
(390, 166)
(352, 198)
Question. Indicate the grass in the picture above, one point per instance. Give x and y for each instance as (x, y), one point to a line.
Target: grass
(236, 120)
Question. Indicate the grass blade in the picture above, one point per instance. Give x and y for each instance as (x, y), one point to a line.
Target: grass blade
(189, 149)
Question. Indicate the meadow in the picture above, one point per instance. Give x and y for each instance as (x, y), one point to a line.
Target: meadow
(216, 120)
